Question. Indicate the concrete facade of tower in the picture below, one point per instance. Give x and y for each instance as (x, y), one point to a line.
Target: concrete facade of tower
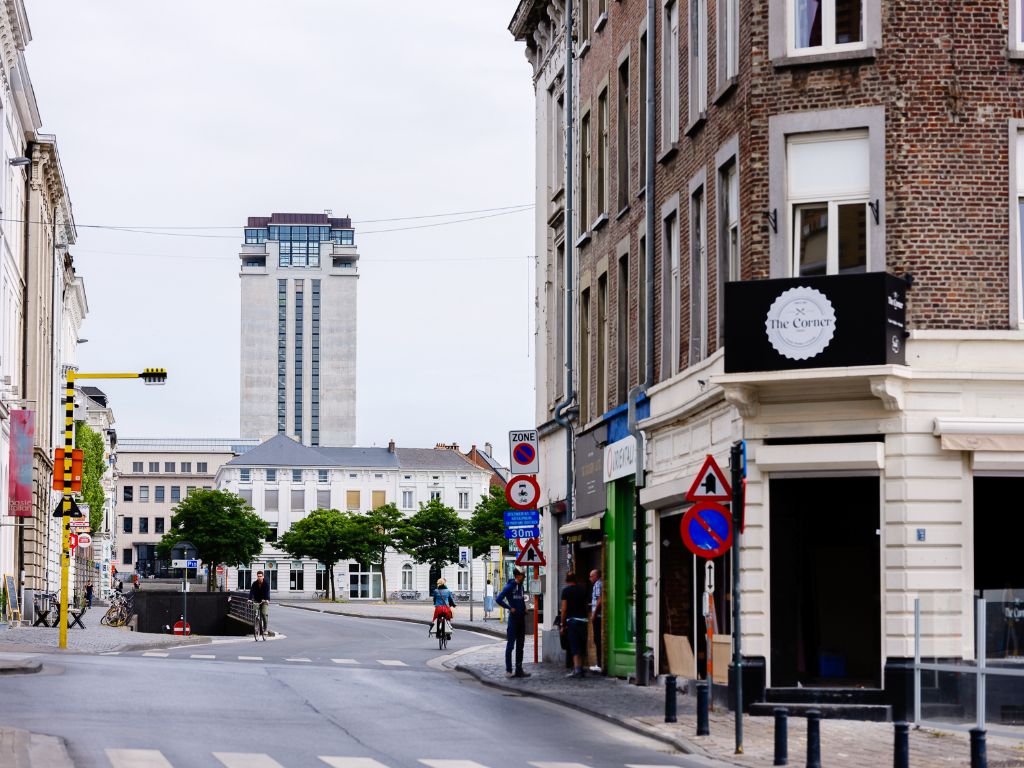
(298, 345)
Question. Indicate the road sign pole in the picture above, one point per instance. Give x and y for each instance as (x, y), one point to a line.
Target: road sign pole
(470, 585)
(736, 465)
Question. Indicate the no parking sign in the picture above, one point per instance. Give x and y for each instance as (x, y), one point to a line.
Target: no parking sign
(707, 529)
(522, 452)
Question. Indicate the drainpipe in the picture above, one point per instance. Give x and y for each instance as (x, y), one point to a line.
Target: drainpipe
(640, 517)
(561, 410)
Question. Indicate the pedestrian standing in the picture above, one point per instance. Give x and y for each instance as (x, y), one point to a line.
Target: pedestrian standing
(88, 595)
(488, 599)
(513, 599)
(574, 622)
(135, 582)
(119, 584)
(596, 610)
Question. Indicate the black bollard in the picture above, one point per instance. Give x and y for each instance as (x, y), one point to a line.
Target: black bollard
(813, 738)
(781, 736)
(979, 753)
(670, 699)
(703, 729)
(901, 748)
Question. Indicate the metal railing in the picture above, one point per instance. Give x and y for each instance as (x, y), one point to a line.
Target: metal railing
(240, 607)
(952, 703)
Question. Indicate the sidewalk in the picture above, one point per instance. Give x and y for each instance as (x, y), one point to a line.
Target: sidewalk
(21, 749)
(844, 743)
(417, 611)
(94, 639)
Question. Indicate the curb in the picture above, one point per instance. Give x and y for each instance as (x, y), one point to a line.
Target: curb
(20, 667)
(455, 625)
(190, 640)
(636, 726)
(22, 749)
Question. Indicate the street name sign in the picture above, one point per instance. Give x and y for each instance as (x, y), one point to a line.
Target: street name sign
(707, 529)
(523, 532)
(523, 452)
(710, 484)
(522, 492)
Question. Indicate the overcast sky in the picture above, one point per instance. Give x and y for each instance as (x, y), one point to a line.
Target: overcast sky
(199, 113)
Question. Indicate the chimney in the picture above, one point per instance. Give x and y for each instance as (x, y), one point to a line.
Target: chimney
(489, 449)
(391, 445)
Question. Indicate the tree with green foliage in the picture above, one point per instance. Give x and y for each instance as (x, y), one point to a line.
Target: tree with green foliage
(486, 527)
(432, 535)
(326, 535)
(93, 467)
(381, 529)
(220, 525)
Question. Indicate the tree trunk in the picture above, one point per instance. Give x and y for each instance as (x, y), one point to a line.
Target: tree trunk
(383, 576)
(330, 577)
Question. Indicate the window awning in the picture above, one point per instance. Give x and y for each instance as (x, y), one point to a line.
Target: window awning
(582, 524)
(959, 434)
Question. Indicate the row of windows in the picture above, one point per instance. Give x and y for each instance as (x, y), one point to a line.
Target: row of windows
(128, 523)
(314, 436)
(299, 302)
(282, 319)
(128, 492)
(364, 581)
(272, 475)
(169, 467)
(353, 499)
(259, 235)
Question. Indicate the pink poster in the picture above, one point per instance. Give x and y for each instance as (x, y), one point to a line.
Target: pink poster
(23, 429)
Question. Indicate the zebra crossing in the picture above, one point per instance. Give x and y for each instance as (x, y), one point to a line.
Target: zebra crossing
(347, 662)
(154, 758)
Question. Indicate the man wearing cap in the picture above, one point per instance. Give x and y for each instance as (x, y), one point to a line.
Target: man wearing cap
(513, 600)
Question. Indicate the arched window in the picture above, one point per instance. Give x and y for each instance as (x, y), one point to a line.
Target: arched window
(407, 577)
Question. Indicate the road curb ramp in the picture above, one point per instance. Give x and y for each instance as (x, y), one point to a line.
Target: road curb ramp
(21, 749)
(19, 667)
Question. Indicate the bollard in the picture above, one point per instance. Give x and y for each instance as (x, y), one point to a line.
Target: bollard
(703, 728)
(670, 699)
(813, 738)
(901, 748)
(781, 736)
(979, 754)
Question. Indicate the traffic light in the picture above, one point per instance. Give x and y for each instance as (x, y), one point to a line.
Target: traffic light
(154, 375)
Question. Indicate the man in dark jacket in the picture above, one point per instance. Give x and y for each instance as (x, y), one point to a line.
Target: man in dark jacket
(513, 599)
(259, 593)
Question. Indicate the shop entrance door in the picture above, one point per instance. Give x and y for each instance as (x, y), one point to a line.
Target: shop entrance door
(825, 582)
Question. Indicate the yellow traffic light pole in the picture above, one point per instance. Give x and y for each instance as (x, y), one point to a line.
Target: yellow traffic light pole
(150, 376)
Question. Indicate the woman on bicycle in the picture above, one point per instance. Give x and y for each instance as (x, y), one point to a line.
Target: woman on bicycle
(443, 604)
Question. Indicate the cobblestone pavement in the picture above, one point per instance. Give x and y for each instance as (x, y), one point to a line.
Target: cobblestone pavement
(844, 743)
(407, 610)
(94, 639)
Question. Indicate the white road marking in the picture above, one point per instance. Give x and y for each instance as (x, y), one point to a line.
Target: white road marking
(351, 762)
(202, 656)
(250, 658)
(300, 659)
(397, 663)
(559, 765)
(453, 764)
(247, 760)
(111, 653)
(157, 654)
(137, 758)
(345, 661)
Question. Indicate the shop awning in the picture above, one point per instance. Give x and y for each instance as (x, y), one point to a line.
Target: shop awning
(960, 434)
(582, 524)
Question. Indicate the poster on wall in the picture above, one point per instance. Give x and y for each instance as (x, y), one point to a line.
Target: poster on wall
(23, 429)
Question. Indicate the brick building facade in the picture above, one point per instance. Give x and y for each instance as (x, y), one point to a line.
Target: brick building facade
(792, 140)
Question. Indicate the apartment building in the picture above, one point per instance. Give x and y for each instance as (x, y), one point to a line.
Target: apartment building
(284, 480)
(153, 476)
(819, 252)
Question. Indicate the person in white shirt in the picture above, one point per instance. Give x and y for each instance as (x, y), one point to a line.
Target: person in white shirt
(488, 599)
(596, 604)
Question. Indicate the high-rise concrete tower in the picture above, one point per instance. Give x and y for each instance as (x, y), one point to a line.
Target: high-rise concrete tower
(299, 275)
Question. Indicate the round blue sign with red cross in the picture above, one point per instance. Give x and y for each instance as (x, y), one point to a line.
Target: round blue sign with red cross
(524, 454)
(707, 529)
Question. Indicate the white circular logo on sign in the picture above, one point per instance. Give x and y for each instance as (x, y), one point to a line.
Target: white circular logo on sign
(800, 323)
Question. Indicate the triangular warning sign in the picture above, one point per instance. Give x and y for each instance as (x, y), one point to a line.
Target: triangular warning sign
(59, 511)
(710, 484)
(531, 554)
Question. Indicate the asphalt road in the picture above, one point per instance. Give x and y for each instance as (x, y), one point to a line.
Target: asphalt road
(338, 691)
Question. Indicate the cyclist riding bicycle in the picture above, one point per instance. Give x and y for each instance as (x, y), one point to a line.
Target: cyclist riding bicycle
(443, 604)
(259, 593)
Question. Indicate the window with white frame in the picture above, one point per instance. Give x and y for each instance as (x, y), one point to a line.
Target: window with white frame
(407, 501)
(407, 577)
(584, 202)
(697, 75)
(1017, 25)
(322, 579)
(296, 577)
(143, 493)
(296, 475)
(435, 496)
(271, 475)
(323, 498)
(698, 348)
(602, 152)
(463, 579)
(728, 27)
(728, 234)
(641, 112)
(671, 297)
(670, 76)
(245, 475)
(622, 138)
(322, 476)
(463, 499)
(828, 211)
(825, 25)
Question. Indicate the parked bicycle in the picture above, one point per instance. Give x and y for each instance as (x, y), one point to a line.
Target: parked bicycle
(405, 594)
(121, 610)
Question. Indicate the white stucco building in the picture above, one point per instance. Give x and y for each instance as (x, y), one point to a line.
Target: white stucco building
(298, 334)
(283, 480)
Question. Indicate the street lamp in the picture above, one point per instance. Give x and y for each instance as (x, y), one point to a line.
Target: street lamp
(149, 376)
